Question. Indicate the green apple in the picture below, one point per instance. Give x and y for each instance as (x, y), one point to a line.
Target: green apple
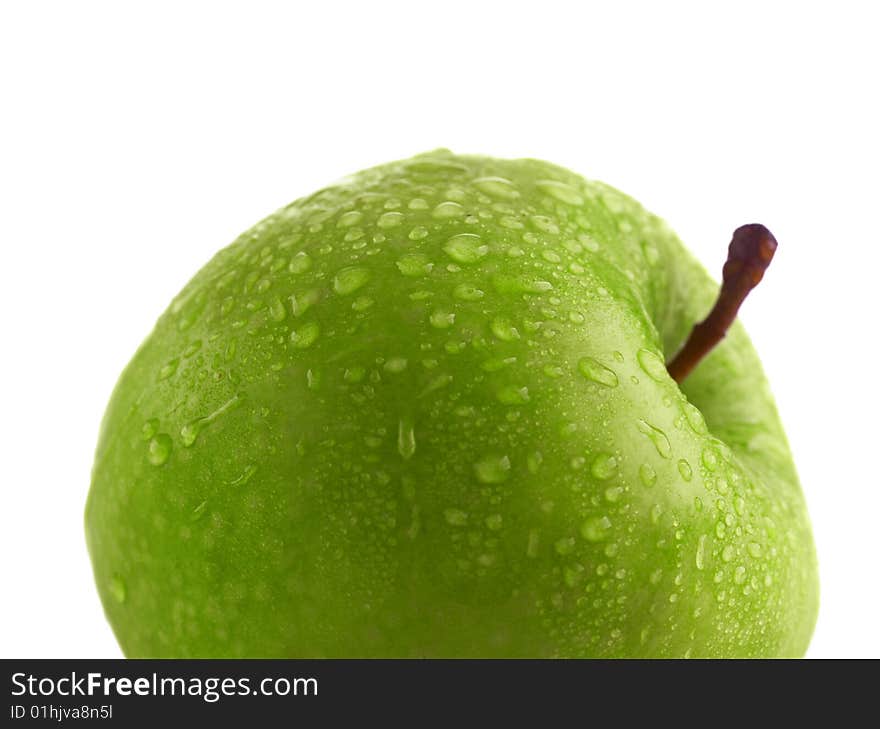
(426, 412)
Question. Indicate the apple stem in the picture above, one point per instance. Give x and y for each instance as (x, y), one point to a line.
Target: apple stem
(750, 252)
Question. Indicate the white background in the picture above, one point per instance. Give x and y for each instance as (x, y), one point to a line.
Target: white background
(138, 138)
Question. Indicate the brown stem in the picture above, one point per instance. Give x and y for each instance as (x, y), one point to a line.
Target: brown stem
(750, 252)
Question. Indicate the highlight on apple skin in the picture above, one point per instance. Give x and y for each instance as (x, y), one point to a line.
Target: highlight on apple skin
(425, 412)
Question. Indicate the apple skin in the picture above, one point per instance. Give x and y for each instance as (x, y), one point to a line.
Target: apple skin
(424, 412)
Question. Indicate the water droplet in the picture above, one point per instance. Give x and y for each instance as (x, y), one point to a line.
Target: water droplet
(390, 220)
(159, 449)
(604, 466)
(302, 302)
(596, 528)
(504, 329)
(150, 428)
(653, 366)
(648, 475)
(727, 553)
(352, 217)
(455, 517)
(442, 319)
(350, 279)
(305, 336)
(709, 459)
(684, 468)
(658, 438)
(492, 469)
(700, 558)
(754, 550)
(520, 285)
(353, 375)
(564, 546)
(513, 395)
(406, 438)
(544, 224)
(613, 493)
(395, 365)
(494, 522)
(117, 590)
(656, 576)
(300, 263)
(420, 232)
(448, 209)
(313, 379)
(168, 369)
(362, 303)
(695, 419)
(466, 248)
(190, 432)
(656, 512)
(497, 187)
(277, 310)
(413, 265)
(561, 191)
(466, 292)
(594, 370)
(494, 364)
(739, 575)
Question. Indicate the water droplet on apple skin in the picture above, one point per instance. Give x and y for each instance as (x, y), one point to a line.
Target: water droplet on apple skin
(603, 466)
(700, 557)
(652, 365)
(149, 428)
(350, 279)
(497, 187)
(596, 529)
(596, 372)
(350, 218)
(647, 475)
(159, 449)
(117, 589)
(305, 336)
(684, 468)
(492, 469)
(466, 248)
(448, 209)
(390, 220)
(561, 191)
(442, 319)
(657, 437)
(406, 438)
